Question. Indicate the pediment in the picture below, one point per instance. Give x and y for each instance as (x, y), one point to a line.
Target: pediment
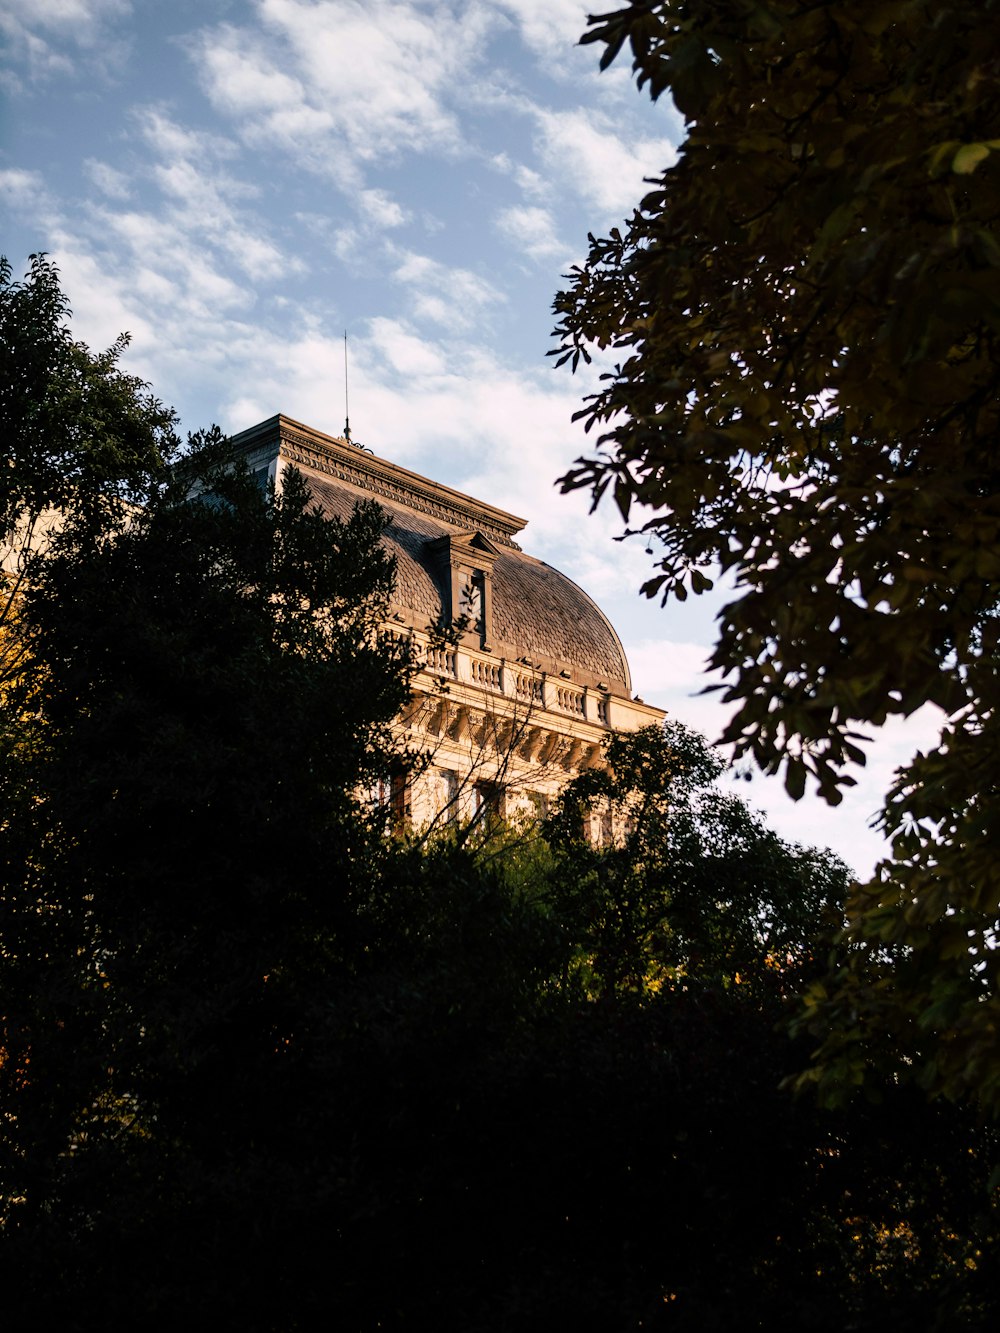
(473, 549)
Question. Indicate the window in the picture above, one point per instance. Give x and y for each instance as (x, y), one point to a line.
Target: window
(391, 797)
(439, 796)
(487, 804)
(598, 827)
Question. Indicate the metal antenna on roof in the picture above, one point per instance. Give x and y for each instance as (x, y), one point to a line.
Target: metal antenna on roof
(347, 410)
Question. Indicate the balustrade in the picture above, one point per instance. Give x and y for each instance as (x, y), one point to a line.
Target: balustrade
(569, 701)
(487, 674)
(441, 660)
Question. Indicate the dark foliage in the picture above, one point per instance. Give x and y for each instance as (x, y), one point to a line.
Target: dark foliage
(803, 314)
(77, 432)
(207, 695)
(264, 1068)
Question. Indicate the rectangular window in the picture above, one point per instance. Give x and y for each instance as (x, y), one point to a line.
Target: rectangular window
(540, 803)
(598, 828)
(449, 793)
(391, 796)
(488, 803)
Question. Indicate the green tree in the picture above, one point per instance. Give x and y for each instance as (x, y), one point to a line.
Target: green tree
(265, 1068)
(805, 312)
(80, 436)
(569, 1074)
(691, 886)
(204, 697)
(186, 843)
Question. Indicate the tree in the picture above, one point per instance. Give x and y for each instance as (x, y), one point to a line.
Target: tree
(80, 436)
(691, 886)
(568, 1076)
(805, 311)
(264, 1067)
(204, 696)
(185, 848)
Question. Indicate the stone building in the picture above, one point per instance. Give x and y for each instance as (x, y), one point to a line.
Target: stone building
(529, 677)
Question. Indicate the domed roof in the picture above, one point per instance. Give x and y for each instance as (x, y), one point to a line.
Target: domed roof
(538, 615)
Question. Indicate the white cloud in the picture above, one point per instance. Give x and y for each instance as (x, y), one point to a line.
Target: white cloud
(109, 180)
(76, 16)
(23, 189)
(27, 49)
(848, 827)
(340, 84)
(468, 420)
(665, 666)
(190, 332)
(550, 29)
(381, 210)
(453, 298)
(552, 32)
(104, 305)
(173, 141)
(241, 78)
(47, 37)
(532, 231)
(205, 200)
(671, 674)
(348, 244)
(180, 270)
(198, 284)
(531, 182)
(404, 352)
(584, 150)
(171, 270)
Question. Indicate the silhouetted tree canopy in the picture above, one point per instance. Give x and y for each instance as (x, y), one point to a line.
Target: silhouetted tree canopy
(77, 431)
(264, 1067)
(695, 889)
(803, 315)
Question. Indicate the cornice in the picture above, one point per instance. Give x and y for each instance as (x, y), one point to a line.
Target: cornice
(367, 472)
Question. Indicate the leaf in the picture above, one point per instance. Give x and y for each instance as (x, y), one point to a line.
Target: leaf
(808, 406)
(968, 158)
(795, 779)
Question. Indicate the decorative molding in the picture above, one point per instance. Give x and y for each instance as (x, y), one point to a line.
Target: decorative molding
(469, 537)
(466, 560)
(349, 463)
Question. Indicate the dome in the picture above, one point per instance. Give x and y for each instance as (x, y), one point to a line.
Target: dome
(538, 613)
(444, 542)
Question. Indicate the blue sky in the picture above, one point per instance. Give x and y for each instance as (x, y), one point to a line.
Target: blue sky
(237, 183)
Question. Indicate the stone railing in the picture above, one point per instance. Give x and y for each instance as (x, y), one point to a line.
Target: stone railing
(528, 688)
(442, 661)
(570, 701)
(485, 673)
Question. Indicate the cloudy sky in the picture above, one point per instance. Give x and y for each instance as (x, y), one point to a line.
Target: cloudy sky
(238, 182)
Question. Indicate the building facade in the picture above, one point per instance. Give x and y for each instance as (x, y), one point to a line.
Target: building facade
(520, 675)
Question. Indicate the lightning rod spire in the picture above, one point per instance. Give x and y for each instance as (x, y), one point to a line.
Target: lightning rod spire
(347, 409)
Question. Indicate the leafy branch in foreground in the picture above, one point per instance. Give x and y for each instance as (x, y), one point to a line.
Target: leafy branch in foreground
(693, 888)
(804, 311)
